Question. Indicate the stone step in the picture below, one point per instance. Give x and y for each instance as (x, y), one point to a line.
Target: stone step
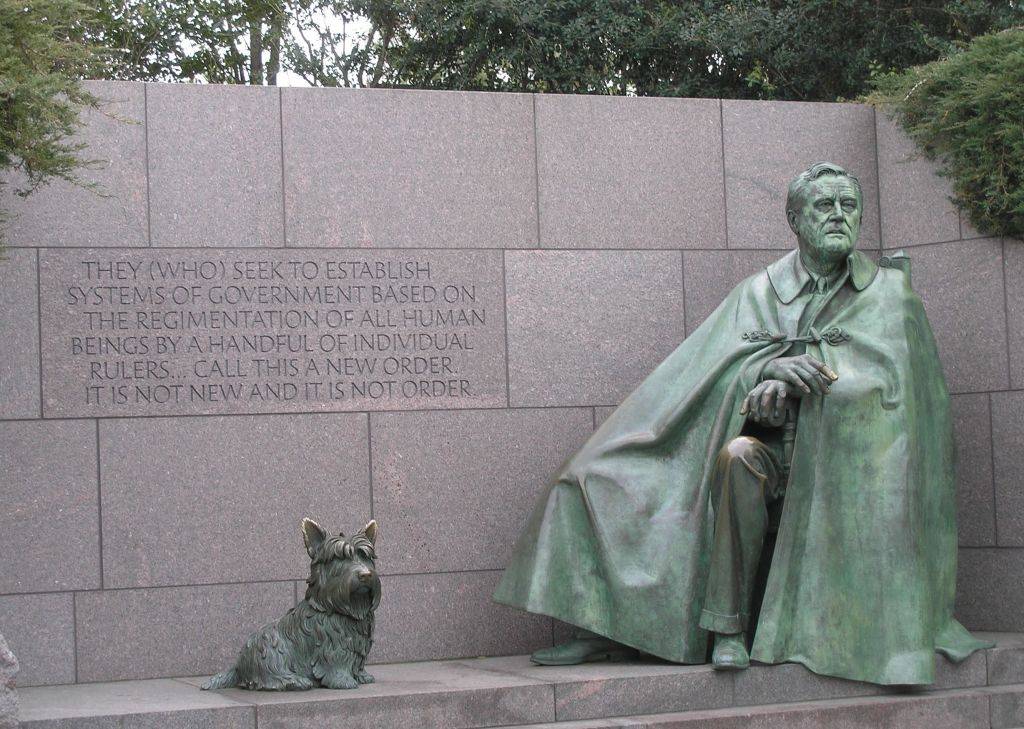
(510, 691)
(954, 709)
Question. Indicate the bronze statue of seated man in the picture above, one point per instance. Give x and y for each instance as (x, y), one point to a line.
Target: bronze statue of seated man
(780, 488)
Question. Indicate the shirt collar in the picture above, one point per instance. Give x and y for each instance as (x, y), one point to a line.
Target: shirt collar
(789, 277)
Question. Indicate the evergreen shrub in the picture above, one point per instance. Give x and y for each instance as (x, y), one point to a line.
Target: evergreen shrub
(44, 50)
(967, 112)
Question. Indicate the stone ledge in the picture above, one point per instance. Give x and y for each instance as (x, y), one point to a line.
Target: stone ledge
(957, 709)
(490, 692)
(162, 702)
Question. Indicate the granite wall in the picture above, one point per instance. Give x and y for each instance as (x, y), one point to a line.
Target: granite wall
(409, 306)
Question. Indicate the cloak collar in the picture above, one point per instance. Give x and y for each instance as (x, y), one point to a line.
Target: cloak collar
(788, 275)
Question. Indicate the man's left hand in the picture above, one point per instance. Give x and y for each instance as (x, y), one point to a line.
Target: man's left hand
(766, 403)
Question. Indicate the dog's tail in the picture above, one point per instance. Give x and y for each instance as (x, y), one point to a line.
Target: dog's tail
(227, 679)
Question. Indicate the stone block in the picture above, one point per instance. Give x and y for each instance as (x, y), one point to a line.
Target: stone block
(1008, 427)
(232, 717)
(1007, 707)
(709, 276)
(19, 330)
(153, 704)
(590, 691)
(976, 517)
(171, 631)
(962, 710)
(81, 722)
(915, 201)
(1013, 257)
(225, 497)
(618, 172)
(1006, 661)
(435, 695)
(961, 284)
(40, 630)
(698, 687)
(969, 673)
(446, 170)
(190, 331)
(450, 615)
(49, 525)
(464, 709)
(989, 589)
(215, 165)
(768, 144)
(455, 488)
(792, 682)
(585, 327)
(62, 214)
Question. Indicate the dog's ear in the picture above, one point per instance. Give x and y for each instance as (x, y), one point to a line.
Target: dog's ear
(370, 530)
(313, 535)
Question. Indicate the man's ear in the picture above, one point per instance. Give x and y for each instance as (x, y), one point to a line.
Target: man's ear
(791, 218)
(313, 535)
(370, 530)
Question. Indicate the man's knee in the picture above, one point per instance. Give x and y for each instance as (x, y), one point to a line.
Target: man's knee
(742, 448)
(745, 455)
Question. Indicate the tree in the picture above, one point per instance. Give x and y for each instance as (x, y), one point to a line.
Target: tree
(208, 40)
(767, 49)
(324, 55)
(216, 41)
(829, 50)
(43, 51)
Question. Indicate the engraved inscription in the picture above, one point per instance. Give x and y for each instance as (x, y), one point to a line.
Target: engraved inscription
(182, 331)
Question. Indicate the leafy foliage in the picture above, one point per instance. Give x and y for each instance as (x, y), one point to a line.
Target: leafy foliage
(43, 50)
(206, 40)
(828, 50)
(967, 112)
(235, 41)
(763, 49)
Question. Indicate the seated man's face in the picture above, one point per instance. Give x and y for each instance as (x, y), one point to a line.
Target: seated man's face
(828, 222)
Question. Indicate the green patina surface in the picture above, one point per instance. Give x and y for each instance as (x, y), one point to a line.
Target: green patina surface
(863, 575)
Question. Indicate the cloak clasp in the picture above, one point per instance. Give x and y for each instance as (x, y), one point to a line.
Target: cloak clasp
(833, 336)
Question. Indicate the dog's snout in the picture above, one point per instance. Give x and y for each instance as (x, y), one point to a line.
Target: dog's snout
(365, 576)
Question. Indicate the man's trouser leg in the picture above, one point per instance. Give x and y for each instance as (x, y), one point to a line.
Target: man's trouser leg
(747, 477)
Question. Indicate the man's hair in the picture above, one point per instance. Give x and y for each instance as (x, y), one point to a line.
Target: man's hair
(801, 182)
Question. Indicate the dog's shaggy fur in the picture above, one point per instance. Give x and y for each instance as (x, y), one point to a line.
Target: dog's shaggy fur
(324, 640)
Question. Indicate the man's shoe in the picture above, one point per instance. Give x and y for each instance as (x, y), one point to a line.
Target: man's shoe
(583, 650)
(730, 652)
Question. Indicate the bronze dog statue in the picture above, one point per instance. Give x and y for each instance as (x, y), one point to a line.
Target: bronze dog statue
(324, 640)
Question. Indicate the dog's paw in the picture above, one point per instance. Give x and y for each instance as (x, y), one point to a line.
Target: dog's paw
(281, 682)
(364, 677)
(299, 683)
(339, 681)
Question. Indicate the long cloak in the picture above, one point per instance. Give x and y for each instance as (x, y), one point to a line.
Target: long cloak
(862, 580)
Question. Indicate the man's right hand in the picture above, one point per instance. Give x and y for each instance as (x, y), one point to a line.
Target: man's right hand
(785, 377)
(804, 373)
